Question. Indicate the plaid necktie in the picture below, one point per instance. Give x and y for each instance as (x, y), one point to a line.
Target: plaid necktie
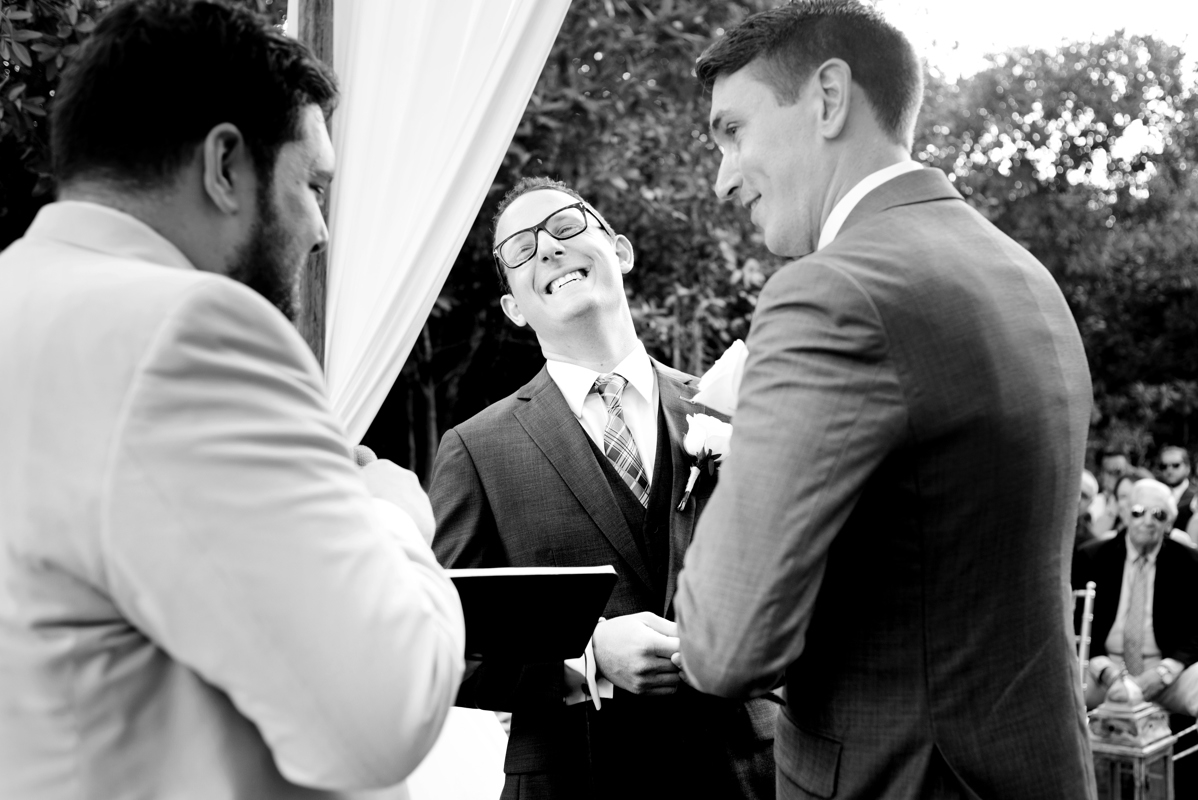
(617, 439)
(1133, 625)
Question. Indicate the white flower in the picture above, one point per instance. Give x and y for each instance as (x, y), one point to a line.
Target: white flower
(719, 385)
(707, 440)
(705, 432)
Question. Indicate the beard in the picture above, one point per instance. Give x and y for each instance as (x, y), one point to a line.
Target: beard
(264, 262)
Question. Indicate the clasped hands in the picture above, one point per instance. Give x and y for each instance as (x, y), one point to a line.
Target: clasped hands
(639, 653)
(1116, 680)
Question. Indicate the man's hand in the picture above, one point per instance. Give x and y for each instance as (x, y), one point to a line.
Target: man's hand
(634, 652)
(388, 481)
(1150, 683)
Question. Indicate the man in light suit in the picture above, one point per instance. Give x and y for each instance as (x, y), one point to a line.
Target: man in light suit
(893, 529)
(199, 596)
(531, 481)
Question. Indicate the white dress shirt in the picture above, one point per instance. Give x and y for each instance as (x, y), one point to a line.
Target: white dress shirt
(842, 209)
(639, 401)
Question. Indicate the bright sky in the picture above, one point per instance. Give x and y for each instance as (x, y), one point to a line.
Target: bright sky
(955, 34)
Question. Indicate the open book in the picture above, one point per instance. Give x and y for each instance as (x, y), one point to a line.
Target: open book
(531, 614)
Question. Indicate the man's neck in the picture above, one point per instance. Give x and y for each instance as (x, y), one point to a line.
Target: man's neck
(162, 210)
(598, 347)
(857, 165)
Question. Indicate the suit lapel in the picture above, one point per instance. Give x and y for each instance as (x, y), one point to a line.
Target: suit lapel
(1110, 574)
(552, 426)
(682, 523)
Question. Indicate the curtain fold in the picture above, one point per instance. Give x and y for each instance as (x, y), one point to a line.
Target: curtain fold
(432, 92)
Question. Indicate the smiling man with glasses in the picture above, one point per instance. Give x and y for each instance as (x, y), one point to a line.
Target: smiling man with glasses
(1143, 621)
(584, 466)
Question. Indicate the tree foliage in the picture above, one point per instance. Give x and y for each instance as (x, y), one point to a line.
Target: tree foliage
(37, 39)
(1084, 154)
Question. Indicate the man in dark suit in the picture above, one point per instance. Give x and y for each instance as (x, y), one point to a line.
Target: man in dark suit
(584, 466)
(894, 526)
(1144, 624)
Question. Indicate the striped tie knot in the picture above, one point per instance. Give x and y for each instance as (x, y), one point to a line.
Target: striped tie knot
(618, 444)
(610, 387)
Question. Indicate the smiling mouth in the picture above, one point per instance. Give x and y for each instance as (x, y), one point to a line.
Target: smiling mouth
(565, 280)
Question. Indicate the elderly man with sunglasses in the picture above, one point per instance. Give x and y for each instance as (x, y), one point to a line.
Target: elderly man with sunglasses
(584, 466)
(1144, 625)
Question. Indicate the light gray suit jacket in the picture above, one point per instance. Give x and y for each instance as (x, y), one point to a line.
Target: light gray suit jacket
(894, 525)
(198, 596)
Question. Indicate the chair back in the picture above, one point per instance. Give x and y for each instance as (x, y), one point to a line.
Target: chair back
(1083, 637)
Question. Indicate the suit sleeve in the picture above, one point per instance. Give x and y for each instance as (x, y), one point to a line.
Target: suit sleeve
(467, 536)
(1186, 572)
(820, 406)
(240, 537)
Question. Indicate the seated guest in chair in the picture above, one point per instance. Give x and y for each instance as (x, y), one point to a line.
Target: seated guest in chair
(1144, 623)
(534, 480)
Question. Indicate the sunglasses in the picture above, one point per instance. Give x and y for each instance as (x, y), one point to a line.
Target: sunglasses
(1159, 514)
(1171, 465)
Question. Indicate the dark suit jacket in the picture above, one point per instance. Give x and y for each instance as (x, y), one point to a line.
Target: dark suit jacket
(1184, 512)
(1173, 620)
(520, 485)
(894, 526)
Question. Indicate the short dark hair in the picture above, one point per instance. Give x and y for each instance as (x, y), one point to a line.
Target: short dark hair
(157, 75)
(792, 41)
(1185, 454)
(523, 187)
(1113, 452)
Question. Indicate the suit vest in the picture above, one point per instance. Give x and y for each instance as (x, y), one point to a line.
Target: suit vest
(650, 525)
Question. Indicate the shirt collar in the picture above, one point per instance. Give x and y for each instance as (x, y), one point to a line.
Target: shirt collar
(843, 207)
(1150, 556)
(575, 382)
(93, 226)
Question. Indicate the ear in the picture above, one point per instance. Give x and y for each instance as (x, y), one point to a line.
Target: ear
(624, 253)
(228, 169)
(512, 310)
(834, 86)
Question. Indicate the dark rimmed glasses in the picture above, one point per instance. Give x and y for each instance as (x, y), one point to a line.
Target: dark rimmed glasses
(1159, 514)
(565, 223)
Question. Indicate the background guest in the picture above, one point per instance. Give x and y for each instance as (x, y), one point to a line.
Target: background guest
(1144, 623)
(1174, 465)
(1089, 489)
(1104, 514)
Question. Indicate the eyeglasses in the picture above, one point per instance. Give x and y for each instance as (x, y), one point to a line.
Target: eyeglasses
(1172, 464)
(565, 223)
(1159, 514)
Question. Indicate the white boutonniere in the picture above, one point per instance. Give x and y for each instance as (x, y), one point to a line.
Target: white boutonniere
(707, 440)
(719, 385)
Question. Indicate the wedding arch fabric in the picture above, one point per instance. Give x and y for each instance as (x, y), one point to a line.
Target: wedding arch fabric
(432, 92)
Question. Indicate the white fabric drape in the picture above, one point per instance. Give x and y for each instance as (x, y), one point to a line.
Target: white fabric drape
(432, 92)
